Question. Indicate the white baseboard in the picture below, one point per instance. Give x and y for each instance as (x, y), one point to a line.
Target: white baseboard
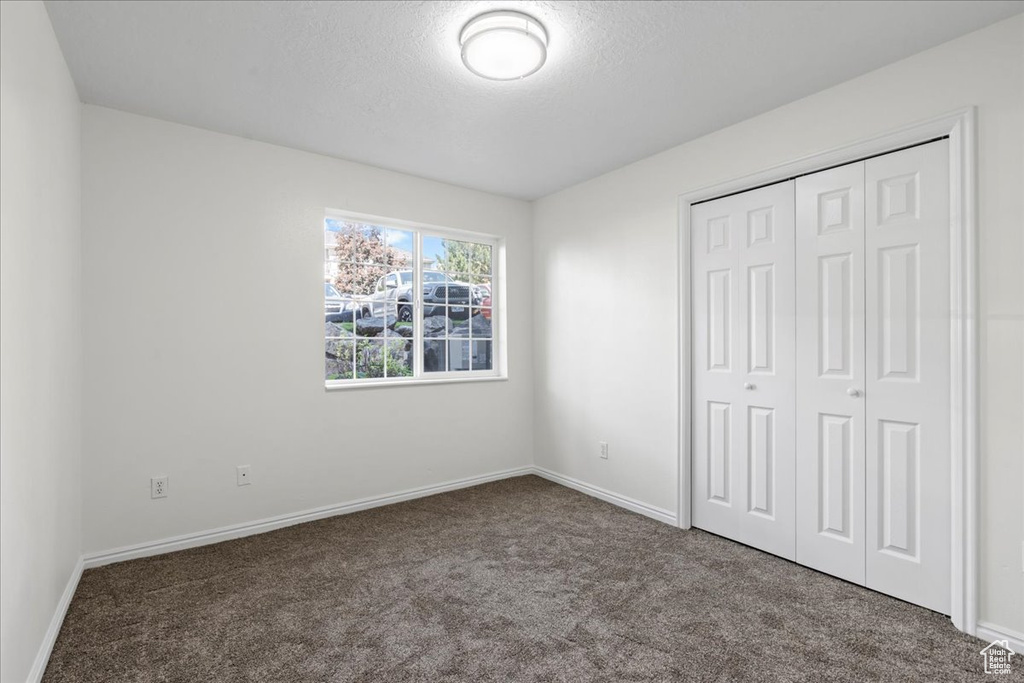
(660, 514)
(43, 656)
(226, 533)
(195, 540)
(990, 632)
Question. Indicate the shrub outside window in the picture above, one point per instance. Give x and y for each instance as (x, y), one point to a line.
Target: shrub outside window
(404, 302)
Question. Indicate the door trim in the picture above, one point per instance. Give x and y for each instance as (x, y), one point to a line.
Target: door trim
(961, 128)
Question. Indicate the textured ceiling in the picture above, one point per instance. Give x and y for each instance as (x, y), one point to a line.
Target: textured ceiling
(382, 82)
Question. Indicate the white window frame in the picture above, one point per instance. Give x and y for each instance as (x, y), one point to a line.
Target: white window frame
(498, 369)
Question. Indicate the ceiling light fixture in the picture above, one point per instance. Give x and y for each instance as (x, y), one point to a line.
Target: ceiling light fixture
(504, 45)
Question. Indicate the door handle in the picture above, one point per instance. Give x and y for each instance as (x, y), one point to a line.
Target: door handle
(749, 387)
(853, 392)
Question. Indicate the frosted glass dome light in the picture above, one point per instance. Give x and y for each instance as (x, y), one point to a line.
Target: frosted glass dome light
(504, 46)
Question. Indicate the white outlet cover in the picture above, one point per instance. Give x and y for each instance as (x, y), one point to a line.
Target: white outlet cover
(243, 475)
(158, 487)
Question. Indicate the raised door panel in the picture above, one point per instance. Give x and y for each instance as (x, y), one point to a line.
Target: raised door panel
(718, 452)
(761, 319)
(899, 340)
(899, 513)
(835, 476)
(908, 375)
(830, 531)
(743, 343)
(835, 315)
(762, 475)
(719, 320)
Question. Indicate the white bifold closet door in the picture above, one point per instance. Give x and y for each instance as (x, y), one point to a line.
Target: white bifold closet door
(907, 390)
(830, 374)
(873, 373)
(821, 371)
(743, 299)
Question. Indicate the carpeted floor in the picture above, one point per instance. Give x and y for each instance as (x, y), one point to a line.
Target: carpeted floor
(519, 580)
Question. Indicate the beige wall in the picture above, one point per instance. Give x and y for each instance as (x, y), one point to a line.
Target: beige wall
(40, 334)
(606, 298)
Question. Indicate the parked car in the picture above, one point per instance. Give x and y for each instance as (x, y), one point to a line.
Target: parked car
(393, 295)
(339, 309)
(333, 303)
(460, 297)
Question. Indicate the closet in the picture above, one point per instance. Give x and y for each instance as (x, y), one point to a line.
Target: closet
(821, 371)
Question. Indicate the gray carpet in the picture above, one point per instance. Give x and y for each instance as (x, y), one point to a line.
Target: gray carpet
(519, 580)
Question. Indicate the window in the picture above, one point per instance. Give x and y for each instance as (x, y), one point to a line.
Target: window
(405, 303)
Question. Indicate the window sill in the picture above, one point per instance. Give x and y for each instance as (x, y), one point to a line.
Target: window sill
(414, 382)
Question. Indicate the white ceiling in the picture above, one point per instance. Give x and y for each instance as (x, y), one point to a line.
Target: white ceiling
(382, 82)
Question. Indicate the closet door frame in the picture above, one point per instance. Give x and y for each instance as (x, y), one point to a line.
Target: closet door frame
(961, 128)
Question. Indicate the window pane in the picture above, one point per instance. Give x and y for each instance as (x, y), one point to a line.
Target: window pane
(399, 243)
(343, 311)
(435, 321)
(434, 277)
(339, 356)
(482, 355)
(458, 300)
(434, 355)
(331, 270)
(459, 329)
(369, 358)
(358, 281)
(481, 286)
(455, 256)
(476, 326)
(331, 229)
(401, 329)
(334, 330)
(480, 324)
(484, 313)
(373, 327)
(404, 308)
(434, 252)
(458, 355)
(353, 242)
(399, 357)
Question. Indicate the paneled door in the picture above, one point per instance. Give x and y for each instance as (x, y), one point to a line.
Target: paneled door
(821, 371)
(830, 370)
(907, 386)
(743, 368)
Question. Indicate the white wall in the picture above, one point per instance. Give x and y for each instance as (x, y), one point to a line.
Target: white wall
(203, 269)
(40, 332)
(606, 298)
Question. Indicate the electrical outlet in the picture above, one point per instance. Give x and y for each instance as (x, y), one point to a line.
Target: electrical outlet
(604, 450)
(243, 476)
(158, 487)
